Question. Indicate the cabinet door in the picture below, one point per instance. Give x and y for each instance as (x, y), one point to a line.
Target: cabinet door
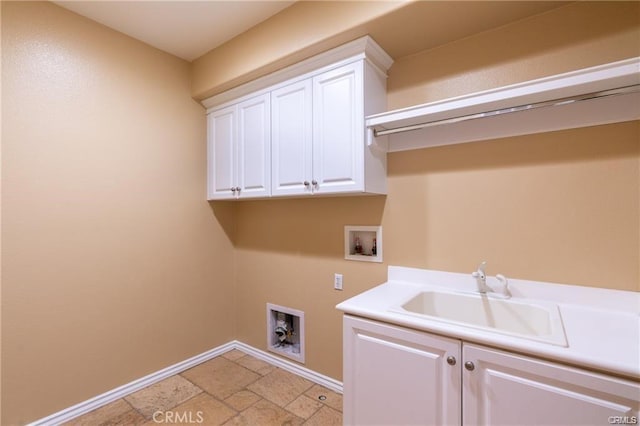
(221, 153)
(291, 139)
(509, 389)
(397, 376)
(254, 147)
(338, 130)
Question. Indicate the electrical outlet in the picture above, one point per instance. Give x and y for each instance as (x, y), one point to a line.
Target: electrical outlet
(337, 281)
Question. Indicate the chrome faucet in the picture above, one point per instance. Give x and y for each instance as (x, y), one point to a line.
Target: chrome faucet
(481, 278)
(483, 288)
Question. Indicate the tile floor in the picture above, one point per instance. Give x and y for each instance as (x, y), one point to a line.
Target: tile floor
(231, 389)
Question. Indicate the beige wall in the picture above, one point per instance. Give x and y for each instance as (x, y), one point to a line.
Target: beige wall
(559, 207)
(0, 223)
(298, 32)
(306, 28)
(110, 253)
(571, 37)
(114, 265)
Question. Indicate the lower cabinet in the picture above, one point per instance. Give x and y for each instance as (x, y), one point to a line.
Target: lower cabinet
(399, 376)
(396, 376)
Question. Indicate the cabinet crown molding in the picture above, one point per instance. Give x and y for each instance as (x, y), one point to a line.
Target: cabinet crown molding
(361, 48)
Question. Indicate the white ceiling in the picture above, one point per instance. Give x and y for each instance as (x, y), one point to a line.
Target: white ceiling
(186, 29)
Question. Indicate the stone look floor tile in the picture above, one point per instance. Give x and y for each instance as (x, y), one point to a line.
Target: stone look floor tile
(303, 407)
(325, 417)
(233, 354)
(254, 364)
(163, 395)
(202, 409)
(265, 413)
(242, 400)
(130, 418)
(266, 396)
(333, 399)
(220, 377)
(115, 413)
(280, 387)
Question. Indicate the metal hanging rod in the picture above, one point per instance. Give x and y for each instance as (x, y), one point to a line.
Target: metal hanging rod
(555, 102)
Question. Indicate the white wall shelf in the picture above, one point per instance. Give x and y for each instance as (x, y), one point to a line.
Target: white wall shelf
(510, 111)
(363, 243)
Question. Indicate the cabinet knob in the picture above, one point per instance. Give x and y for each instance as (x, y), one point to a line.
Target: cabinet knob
(306, 183)
(314, 182)
(469, 366)
(233, 189)
(451, 360)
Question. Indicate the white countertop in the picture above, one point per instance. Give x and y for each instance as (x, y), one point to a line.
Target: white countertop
(602, 326)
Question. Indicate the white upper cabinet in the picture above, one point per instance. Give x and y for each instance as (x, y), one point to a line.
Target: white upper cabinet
(338, 130)
(239, 150)
(254, 148)
(301, 131)
(291, 139)
(221, 153)
(318, 134)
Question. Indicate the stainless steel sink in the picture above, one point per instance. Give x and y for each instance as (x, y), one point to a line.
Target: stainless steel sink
(533, 320)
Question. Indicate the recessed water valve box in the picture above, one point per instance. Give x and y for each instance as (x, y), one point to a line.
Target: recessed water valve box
(363, 243)
(285, 332)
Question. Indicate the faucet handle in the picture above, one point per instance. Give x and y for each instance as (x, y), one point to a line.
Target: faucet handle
(505, 284)
(479, 273)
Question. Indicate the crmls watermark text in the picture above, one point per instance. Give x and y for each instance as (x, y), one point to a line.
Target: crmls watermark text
(622, 420)
(186, 417)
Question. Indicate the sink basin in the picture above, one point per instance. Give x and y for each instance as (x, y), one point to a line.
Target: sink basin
(533, 320)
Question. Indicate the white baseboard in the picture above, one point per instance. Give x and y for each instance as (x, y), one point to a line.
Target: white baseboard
(292, 367)
(129, 388)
